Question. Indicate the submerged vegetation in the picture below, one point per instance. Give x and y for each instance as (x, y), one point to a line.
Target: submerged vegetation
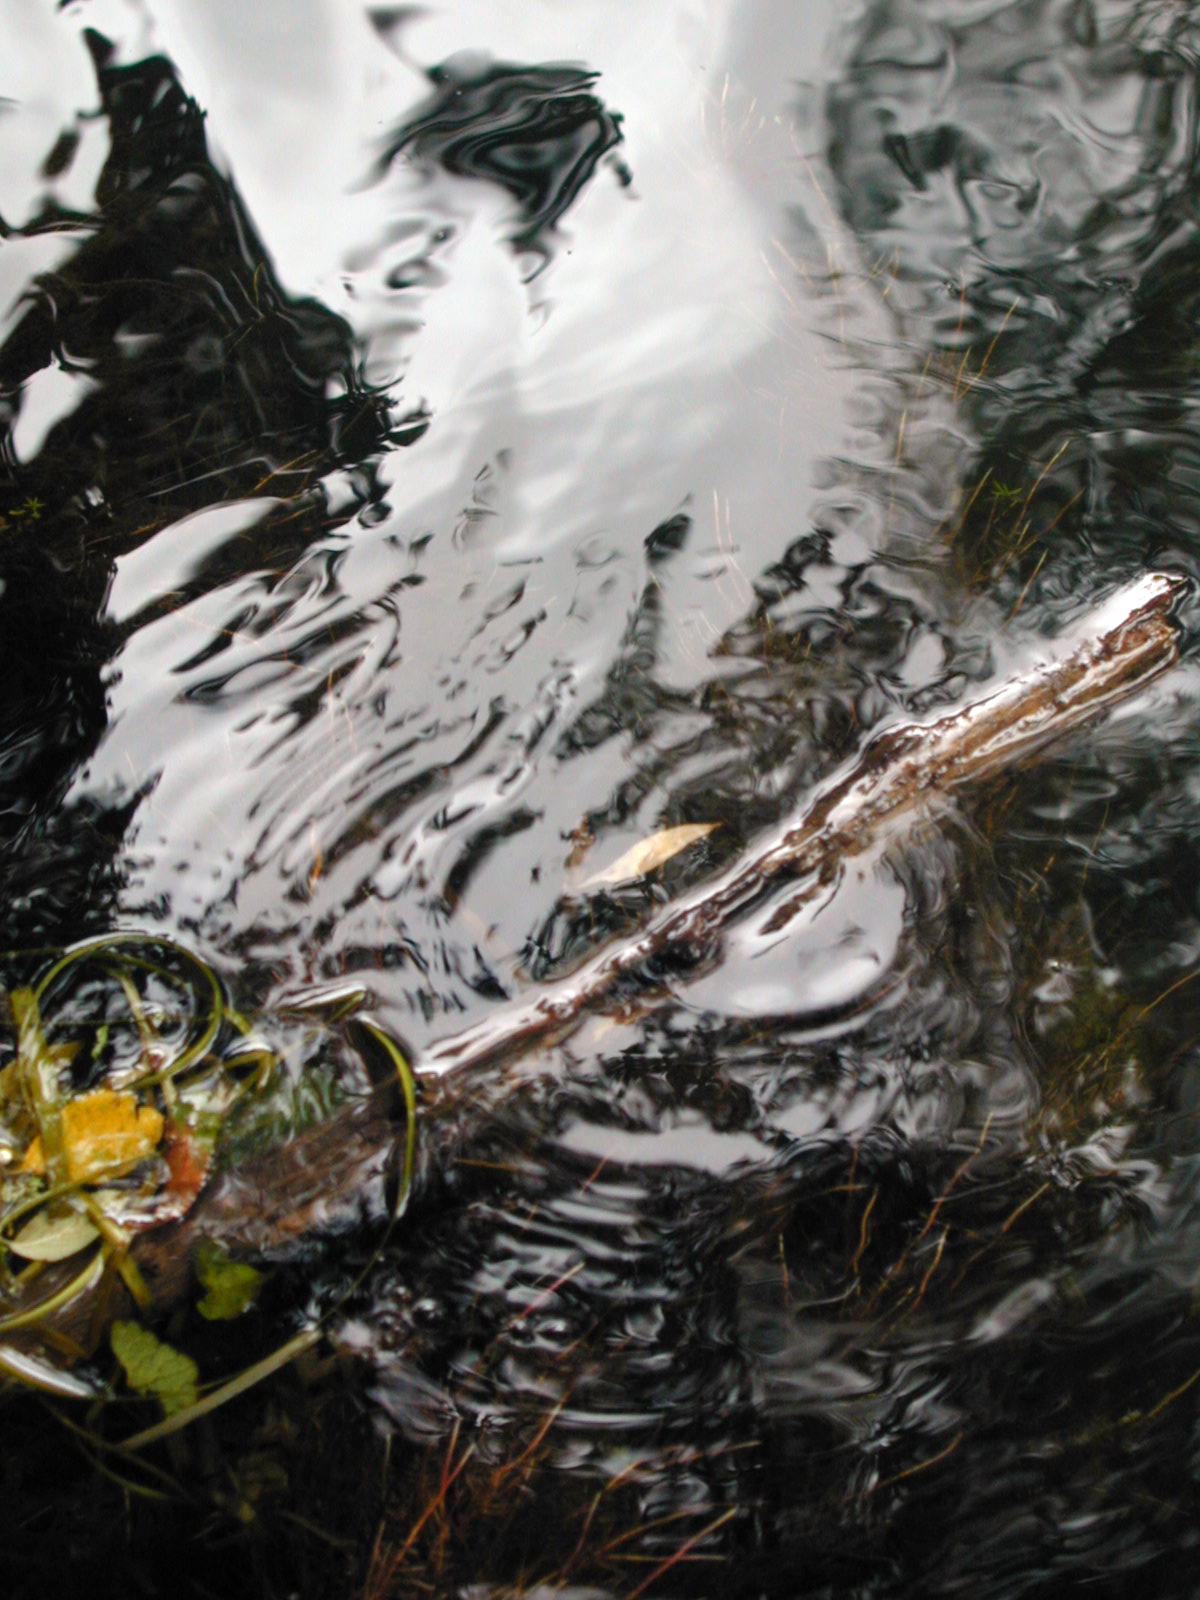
(127, 1072)
(872, 1278)
(130, 1072)
(122, 1068)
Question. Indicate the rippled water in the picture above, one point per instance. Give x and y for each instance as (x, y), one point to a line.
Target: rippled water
(480, 437)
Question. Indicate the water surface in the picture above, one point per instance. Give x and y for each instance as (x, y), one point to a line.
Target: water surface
(443, 448)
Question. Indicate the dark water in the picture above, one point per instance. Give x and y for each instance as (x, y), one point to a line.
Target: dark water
(480, 439)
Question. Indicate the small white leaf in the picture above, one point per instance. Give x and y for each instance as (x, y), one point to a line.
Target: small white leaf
(651, 853)
(53, 1236)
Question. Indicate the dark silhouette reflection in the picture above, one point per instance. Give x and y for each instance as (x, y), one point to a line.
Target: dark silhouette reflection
(872, 1367)
(883, 1345)
(210, 382)
(538, 132)
(1050, 270)
(202, 382)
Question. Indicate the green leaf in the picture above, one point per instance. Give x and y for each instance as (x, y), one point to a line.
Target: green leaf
(231, 1287)
(154, 1368)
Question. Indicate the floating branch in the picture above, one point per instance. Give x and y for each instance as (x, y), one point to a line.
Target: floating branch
(341, 1165)
(1117, 650)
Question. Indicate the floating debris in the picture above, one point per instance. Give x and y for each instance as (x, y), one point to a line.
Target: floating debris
(1115, 651)
(127, 1060)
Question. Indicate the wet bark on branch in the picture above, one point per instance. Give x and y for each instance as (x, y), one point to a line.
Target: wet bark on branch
(338, 1171)
(1117, 650)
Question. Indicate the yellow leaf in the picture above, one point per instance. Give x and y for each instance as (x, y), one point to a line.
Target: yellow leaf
(104, 1133)
(652, 852)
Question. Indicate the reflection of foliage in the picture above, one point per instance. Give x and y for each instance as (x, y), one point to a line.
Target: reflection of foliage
(200, 380)
(1091, 1042)
(204, 380)
(538, 132)
(1050, 272)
